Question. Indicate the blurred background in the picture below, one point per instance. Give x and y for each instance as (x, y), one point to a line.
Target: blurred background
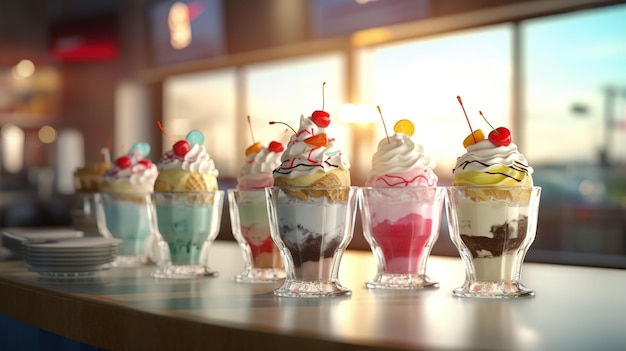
(79, 76)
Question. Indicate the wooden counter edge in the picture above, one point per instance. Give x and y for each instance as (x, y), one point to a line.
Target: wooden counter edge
(106, 325)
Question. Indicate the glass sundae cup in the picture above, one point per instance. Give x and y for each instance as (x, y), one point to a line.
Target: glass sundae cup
(127, 216)
(493, 228)
(251, 228)
(401, 224)
(188, 223)
(312, 226)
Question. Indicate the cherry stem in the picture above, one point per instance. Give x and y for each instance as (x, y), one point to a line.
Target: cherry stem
(384, 125)
(323, 95)
(250, 128)
(494, 129)
(164, 132)
(458, 97)
(294, 131)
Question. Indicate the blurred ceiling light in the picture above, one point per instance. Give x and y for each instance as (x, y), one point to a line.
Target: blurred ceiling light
(350, 113)
(180, 26)
(47, 134)
(24, 69)
(12, 148)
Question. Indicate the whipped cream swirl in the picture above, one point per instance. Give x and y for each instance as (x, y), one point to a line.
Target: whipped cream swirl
(138, 173)
(302, 159)
(196, 160)
(257, 171)
(399, 155)
(484, 156)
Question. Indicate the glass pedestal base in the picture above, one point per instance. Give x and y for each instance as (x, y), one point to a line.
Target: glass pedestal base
(302, 288)
(261, 275)
(401, 281)
(493, 290)
(184, 272)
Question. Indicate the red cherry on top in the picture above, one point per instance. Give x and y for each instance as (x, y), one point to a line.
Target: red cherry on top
(145, 162)
(320, 118)
(124, 162)
(500, 136)
(181, 148)
(276, 147)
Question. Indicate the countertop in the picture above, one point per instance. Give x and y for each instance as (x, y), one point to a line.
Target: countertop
(575, 308)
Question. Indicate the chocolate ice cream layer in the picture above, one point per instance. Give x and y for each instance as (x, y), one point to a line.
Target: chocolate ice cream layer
(506, 237)
(310, 247)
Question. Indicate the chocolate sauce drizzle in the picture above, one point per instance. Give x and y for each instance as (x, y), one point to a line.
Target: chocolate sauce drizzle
(280, 170)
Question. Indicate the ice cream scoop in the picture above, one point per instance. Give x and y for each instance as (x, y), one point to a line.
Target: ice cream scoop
(312, 159)
(187, 166)
(132, 172)
(488, 164)
(257, 172)
(400, 162)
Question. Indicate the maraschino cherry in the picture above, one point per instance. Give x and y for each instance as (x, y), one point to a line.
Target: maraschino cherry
(500, 136)
(147, 163)
(276, 147)
(321, 118)
(181, 147)
(124, 162)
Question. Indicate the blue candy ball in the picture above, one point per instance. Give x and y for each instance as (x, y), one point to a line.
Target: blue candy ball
(141, 148)
(195, 137)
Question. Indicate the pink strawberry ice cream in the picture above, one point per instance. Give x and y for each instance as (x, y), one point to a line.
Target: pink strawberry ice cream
(401, 233)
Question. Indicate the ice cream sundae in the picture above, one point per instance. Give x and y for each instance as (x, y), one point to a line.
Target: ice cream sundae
(188, 207)
(257, 172)
(124, 204)
(87, 179)
(495, 206)
(401, 210)
(187, 166)
(312, 205)
(131, 173)
(248, 214)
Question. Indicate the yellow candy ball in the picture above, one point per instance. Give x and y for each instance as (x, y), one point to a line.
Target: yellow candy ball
(404, 126)
(473, 138)
(254, 148)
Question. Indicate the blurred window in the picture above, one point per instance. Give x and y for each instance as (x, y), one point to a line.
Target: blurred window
(575, 112)
(204, 101)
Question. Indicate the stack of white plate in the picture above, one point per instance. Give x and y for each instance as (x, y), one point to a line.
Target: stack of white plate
(79, 257)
